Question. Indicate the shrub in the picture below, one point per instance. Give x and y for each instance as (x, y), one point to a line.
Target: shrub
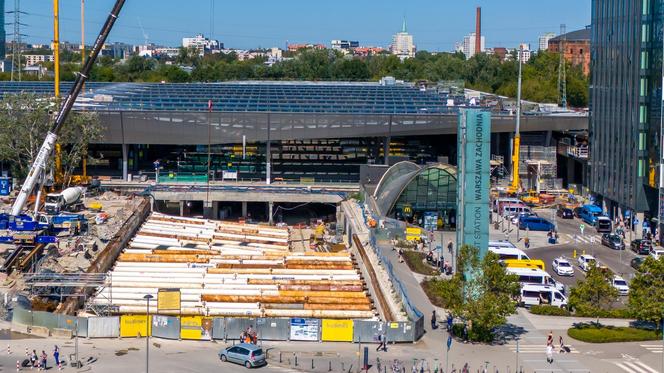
(621, 313)
(549, 310)
(594, 333)
(443, 293)
(415, 261)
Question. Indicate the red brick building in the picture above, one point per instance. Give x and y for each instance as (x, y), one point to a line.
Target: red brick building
(577, 47)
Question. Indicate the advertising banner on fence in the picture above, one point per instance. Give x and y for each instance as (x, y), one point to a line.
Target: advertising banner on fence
(337, 330)
(133, 325)
(196, 327)
(304, 329)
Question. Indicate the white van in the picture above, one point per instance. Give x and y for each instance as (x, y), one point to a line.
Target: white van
(535, 276)
(500, 202)
(505, 253)
(515, 209)
(532, 295)
(502, 243)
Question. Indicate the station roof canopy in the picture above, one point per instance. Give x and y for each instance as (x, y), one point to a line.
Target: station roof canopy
(252, 96)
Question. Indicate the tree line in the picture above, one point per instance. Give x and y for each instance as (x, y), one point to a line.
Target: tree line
(482, 72)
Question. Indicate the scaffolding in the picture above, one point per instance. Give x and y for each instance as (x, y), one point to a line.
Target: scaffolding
(63, 285)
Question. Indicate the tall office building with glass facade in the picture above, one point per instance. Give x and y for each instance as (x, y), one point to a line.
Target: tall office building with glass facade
(626, 104)
(3, 35)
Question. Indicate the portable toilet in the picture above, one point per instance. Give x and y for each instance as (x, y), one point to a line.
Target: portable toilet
(5, 186)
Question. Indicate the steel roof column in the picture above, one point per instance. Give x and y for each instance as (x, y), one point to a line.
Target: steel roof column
(268, 156)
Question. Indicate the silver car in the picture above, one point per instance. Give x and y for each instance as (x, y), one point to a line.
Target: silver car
(246, 354)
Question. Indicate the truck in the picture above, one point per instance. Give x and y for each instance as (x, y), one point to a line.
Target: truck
(67, 200)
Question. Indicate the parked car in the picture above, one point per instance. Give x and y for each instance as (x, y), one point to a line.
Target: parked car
(620, 284)
(562, 267)
(656, 253)
(586, 262)
(641, 247)
(534, 223)
(565, 213)
(515, 218)
(246, 354)
(613, 241)
(576, 212)
(636, 262)
(603, 224)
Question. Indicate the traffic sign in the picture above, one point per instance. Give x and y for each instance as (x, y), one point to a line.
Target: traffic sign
(449, 342)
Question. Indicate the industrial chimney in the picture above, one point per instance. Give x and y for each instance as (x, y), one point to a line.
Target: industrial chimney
(478, 30)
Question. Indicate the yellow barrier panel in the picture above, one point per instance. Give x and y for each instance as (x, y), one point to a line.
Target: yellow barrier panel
(191, 327)
(134, 325)
(413, 231)
(337, 330)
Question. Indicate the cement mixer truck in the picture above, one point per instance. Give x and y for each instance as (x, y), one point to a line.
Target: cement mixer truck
(69, 199)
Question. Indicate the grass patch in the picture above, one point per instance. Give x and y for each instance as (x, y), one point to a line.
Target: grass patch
(594, 333)
(415, 261)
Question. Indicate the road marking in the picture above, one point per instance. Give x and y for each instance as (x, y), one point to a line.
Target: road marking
(538, 349)
(655, 349)
(635, 367)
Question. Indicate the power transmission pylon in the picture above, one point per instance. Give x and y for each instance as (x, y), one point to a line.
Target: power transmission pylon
(17, 40)
(562, 76)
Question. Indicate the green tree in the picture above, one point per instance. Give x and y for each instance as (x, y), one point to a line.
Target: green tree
(646, 291)
(594, 294)
(25, 120)
(481, 292)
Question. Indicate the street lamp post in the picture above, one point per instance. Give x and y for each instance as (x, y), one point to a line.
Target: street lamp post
(147, 298)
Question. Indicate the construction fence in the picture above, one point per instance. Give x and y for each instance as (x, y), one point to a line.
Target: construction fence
(217, 328)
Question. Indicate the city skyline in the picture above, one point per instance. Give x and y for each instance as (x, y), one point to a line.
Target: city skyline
(434, 26)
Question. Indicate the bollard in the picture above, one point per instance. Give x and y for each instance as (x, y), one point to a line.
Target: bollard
(18, 365)
(312, 364)
(9, 351)
(279, 357)
(60, 365)
(329, 366)
(27, 353)
(295, 357)
(342, 366)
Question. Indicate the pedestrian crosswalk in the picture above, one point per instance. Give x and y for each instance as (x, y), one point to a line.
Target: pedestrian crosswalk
(538, 349)
(655, 349)
(634, 366)
(587, 239)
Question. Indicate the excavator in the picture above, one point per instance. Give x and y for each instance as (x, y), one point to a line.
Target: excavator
(17, 220)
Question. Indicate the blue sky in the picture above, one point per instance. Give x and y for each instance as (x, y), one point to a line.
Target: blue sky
(436, 25)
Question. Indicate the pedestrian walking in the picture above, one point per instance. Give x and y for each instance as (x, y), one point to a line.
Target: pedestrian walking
(43, 360)
(526, 242)
(380, 342)
(450, 321)
(465, 331)
(434, 324)
(450, 246)
(549, 338)
(34, 358)
(549, 354)
(56, 355)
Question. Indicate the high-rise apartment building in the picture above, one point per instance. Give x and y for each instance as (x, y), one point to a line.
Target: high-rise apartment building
(201, 43)
(469, 45)
(544, 40)
(402, 44)
(625, 102)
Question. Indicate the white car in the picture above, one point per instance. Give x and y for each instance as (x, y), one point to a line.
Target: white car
(586, 262)
(620, 284)
(656, 253)
(562, 267)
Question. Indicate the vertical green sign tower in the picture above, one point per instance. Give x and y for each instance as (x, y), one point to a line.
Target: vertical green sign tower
(473, 182)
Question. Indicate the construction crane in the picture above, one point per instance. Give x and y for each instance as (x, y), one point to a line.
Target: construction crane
(515, 186)
(46, 149)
